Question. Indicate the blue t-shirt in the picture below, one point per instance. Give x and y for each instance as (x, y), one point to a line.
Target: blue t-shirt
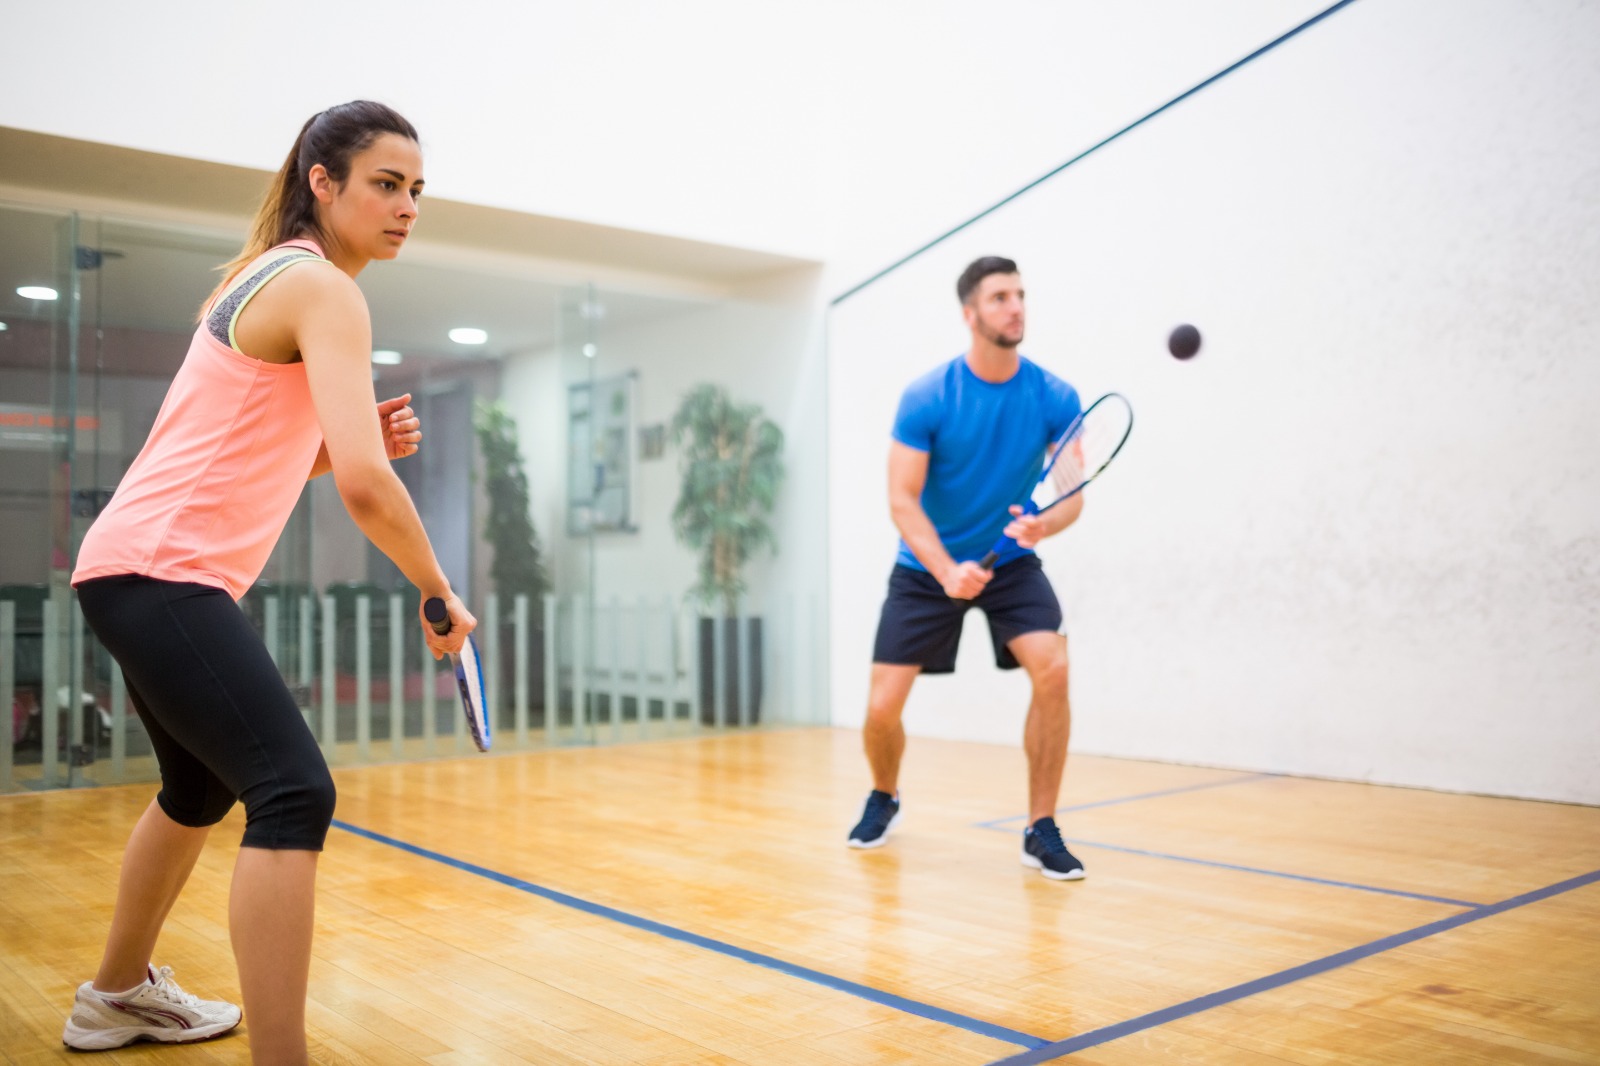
(985, 445)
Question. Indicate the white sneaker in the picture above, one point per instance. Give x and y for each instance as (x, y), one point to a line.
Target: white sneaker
(155, 1010)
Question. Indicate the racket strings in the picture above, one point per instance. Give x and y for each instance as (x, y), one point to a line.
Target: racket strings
(1100, 440)
(1091, 449)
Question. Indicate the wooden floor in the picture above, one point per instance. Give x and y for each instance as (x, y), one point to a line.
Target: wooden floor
(692, 901)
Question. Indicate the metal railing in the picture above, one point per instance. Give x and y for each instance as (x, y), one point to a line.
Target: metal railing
(562, 671)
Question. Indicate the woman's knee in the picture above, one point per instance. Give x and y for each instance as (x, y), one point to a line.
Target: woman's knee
(295, 812)
(195, 810)
(321, 798)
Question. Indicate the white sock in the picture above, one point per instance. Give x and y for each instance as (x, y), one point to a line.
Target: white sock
(120, 995)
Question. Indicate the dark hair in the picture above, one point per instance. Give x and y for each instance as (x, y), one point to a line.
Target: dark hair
(979, 269)
(332, 138)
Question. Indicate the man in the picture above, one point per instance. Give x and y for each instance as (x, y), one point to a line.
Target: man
(967, 437)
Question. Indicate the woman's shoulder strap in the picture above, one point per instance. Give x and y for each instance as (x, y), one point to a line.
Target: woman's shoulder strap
(225, 312)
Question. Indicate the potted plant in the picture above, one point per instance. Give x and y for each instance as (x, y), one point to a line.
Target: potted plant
(731, 460)
(518, 566)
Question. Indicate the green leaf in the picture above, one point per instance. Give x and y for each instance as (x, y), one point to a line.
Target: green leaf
(730, 457)
(518, 565)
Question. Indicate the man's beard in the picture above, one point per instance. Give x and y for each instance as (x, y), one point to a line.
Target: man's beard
(994, 337)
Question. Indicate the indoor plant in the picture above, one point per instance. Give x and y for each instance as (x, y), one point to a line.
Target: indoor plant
(518, 566)
(730, 456)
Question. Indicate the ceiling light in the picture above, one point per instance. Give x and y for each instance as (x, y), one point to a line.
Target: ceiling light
(3, 327)
(589, 351)
(468, 335)
(36, 292)
(386, 357)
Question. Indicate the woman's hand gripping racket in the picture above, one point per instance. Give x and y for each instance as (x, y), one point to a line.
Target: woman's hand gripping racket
(1079, 456)
(469, 674)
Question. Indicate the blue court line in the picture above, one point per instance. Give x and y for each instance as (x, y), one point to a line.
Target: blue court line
(992, 208)
(1259, 870)
(1280, 873)
(996, 823)
(887, 999)
(1294, 973)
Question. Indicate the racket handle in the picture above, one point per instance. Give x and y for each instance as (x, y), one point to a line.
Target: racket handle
(987, 562)
(437, 614)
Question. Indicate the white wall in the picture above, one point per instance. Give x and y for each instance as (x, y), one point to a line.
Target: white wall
(1358, 536)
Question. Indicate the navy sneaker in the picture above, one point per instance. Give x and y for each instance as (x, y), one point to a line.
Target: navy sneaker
(882, 811)
(1045, 851)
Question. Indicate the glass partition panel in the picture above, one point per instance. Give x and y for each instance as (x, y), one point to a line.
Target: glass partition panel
(709, 539)
(549, 480)
(37, 333)
(437, 334)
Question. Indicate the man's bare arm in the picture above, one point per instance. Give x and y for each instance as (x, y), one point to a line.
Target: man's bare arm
(908, 473)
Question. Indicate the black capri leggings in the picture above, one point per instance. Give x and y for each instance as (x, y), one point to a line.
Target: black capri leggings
(222, 722)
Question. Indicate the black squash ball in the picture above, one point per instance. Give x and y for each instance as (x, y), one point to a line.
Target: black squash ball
(1184, 342)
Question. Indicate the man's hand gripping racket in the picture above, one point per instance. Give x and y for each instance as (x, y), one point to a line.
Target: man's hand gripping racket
(1079, 456)
(469, 673)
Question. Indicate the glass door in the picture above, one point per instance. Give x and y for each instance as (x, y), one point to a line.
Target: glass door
(38, 324)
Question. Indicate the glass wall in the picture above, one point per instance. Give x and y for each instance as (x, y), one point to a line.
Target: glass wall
(687, 531)
(594, 625)
(36, 499)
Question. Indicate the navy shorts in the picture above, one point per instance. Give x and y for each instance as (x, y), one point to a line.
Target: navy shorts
(921, 626)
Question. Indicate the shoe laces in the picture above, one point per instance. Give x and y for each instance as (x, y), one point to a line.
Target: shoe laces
(879, 804)
(168, 988)
(1049, 835)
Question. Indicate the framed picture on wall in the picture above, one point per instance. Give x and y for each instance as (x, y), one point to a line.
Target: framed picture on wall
(600, 450)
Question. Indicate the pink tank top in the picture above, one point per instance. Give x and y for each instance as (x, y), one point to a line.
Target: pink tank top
(231, 449)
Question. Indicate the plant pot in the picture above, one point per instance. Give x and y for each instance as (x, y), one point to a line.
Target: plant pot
(731, 651)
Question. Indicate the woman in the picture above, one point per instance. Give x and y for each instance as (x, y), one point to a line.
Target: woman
(262, 402)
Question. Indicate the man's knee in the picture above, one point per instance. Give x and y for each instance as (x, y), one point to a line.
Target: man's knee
(1050, 676)
(886, 700)
(884, 709)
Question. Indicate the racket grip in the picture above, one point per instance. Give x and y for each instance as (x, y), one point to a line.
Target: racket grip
(437, 614)
(987, 562)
